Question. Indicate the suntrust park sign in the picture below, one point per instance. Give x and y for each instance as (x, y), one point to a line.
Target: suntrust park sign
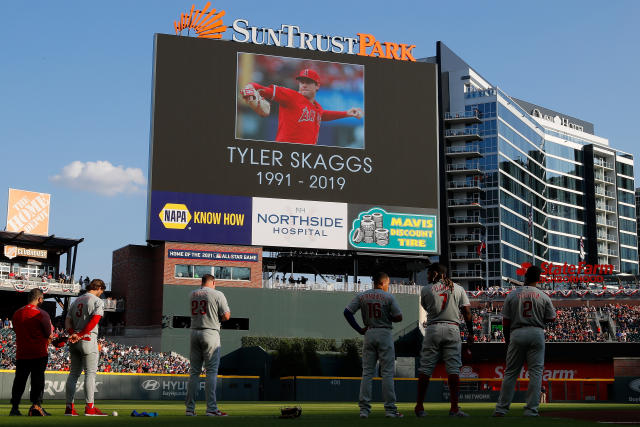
(208, 23)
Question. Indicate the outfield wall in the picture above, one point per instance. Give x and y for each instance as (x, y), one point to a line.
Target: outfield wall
(275, 313)
(138, 386)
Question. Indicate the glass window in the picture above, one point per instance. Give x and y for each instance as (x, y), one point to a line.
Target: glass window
(624, 169)
(241, 273)
(630, 254)
(628, 267)
(184, 271)
(626, 183)
(223, 273)
(627, 225)
(201, 270)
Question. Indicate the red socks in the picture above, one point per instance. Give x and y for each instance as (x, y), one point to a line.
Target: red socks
(454, 391)
(423, 384)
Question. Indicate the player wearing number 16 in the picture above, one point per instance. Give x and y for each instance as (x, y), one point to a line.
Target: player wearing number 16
(524, 313)
(379, 309)
(208, 308)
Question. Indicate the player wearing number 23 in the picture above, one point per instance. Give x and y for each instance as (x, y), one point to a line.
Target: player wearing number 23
(443, 301)
(379, 309)
(524, 313)
(208, 308)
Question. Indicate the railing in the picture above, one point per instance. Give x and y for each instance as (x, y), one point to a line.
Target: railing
(464, 220)
(604, 207)
(480, 93)
(604, 178)
(466, 149)
(394, 288)
(464, 237)
(461, 132)
(464, 255)
(465, 273)
(463, 167)
(607, 222)
(603, 163)
(462, 115)
(603, 192)
(463, 184)
(463, 202)
(606, 236)
(70, 289)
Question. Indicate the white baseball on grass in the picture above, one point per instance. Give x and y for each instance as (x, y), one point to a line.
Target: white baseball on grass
(114, 413)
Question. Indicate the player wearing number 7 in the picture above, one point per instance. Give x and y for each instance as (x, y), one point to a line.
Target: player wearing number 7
(379, 309)
(208, 308)
(524, 313)
(443, 301)
(300, 114)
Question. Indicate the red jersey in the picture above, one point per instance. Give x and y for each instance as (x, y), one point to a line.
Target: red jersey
(33, 328)
(298, 119)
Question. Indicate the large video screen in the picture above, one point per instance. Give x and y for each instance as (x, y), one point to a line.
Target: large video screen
(281, 147)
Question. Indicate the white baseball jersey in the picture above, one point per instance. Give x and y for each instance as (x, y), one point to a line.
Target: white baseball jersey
(378, 308)
(207, 305)
(528, 306)
(442, 304)
(82, 310)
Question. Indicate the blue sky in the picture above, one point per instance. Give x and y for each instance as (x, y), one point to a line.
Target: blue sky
(75, 85)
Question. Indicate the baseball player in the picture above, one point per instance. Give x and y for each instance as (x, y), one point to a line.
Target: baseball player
(208, 308)
(443, 301)
(82, 325)
(524, 313)
(379, 309)
(300, 114)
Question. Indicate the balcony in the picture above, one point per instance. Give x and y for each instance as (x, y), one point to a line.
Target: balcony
(467, 134)
(464, 185)
(465, 274)
(472, 150)
(464, 168)
(605, 222)
(603, 163)
(465, 256)
(464, 203)
(605, 193)
(479, 93)
(607, 237)
(465, 238)
(604, 178)
(465, 220)
(604, 207)
(462, 117)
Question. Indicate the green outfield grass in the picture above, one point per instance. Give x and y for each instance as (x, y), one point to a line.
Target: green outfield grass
(314, 414)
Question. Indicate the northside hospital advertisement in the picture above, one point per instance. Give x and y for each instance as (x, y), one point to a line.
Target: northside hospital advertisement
(283, 147)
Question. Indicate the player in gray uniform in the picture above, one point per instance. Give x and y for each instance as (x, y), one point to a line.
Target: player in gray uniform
(443, 301)
(524, 313)
(208, 308)
(379, 309)
(81, 323)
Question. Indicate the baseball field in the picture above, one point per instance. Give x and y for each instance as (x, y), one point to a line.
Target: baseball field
(331, 414)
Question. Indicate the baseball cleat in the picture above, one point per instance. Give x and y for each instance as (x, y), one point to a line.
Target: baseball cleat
(459, 413)
(216, 413)
(190, 413)
(15, 412)
(498, 414)
(71, 411)
(363, 415)
(420, 412)
(395, 414)
(93, 412)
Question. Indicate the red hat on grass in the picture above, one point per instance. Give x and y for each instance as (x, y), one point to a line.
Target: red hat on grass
(310, 74)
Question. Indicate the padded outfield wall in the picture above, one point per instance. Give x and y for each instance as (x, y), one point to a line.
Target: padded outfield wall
(275, 313)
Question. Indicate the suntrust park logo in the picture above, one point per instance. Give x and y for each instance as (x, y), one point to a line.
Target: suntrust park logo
(570, 273)
(207, 23)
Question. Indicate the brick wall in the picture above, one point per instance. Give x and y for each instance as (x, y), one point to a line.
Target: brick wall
(170, 263)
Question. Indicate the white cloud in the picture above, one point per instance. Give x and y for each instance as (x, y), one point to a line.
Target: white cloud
(101, 177)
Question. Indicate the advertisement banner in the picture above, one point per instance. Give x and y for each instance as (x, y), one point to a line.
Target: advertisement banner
(201, 218)
(552, 370)
(299, 223)
(28, 211)
(379, 229)
(213, 255)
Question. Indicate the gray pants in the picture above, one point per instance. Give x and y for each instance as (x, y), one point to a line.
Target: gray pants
(441, 340)
(526, 344)
(205, 350)
(378, 346)
(84, 356)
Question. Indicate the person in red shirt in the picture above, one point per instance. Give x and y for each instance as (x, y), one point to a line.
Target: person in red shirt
(33, 329)
(300, 114)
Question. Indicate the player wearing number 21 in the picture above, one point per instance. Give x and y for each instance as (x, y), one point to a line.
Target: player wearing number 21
(379, 309)
(208, 308)
(443, 301)
(524, 313)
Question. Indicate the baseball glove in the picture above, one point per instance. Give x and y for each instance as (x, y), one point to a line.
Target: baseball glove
(290, 412)
(255, 101)
(59, 341)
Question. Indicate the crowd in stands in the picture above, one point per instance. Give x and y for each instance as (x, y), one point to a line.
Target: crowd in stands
(114, 357)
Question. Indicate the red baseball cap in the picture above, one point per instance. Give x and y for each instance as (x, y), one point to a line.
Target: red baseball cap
(310, 74)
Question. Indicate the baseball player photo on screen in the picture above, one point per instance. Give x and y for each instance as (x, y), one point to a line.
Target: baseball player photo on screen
(301, 101)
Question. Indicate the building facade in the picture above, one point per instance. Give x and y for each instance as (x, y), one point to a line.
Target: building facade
(524, 183)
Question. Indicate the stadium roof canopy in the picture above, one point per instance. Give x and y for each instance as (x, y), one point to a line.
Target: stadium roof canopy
(51, 242)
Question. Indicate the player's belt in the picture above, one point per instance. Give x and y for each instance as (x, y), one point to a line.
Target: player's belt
(443, 322)
(378, 327)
